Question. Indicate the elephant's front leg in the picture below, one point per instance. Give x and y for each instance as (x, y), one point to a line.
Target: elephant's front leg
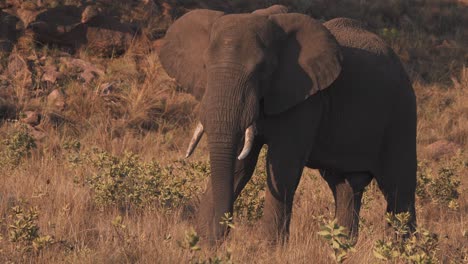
(284, 171)
(290, 138)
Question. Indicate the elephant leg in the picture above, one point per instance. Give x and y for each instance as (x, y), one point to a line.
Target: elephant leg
(399, 192)
(398, 185)
(290, 138)
(347, 190)
(398, 180)
(283, 175)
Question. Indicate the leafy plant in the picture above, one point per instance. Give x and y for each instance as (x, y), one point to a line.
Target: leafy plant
(442, 188)
(122, 233)
(72, 149)
(417, 247)
(16, 147)
(423, 180)
(389, 34)
(24, 231)
(249, 204)
(337, 238)
(226, 220)
(190, 242)
(129, 182)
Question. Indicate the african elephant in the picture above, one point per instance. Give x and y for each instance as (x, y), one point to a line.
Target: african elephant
(332, 97)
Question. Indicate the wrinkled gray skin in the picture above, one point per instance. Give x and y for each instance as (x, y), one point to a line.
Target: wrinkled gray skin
(338, 102)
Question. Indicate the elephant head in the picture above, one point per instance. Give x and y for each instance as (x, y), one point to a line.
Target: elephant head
(244, 66)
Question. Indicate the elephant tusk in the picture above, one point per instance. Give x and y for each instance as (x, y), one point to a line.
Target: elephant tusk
(197, 135)
(248, 142)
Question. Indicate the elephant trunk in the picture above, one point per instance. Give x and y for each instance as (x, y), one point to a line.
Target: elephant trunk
(222, 161)
(226, 114)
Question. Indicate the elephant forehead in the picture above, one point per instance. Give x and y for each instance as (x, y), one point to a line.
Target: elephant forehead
(240, 24)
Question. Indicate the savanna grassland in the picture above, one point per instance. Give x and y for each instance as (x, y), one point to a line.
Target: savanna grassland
(91, 148)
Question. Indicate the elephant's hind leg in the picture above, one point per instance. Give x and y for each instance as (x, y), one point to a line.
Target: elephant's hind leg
(398, 184)
(398, 181)
(347, 190)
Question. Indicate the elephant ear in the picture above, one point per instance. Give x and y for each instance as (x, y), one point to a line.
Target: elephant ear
(309, 61)
(183, 47)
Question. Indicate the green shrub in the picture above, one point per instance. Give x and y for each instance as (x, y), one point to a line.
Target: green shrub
(129, 182)
(418, 247)
(72, 153)
(191, 243)
(16, 147)
(444, 187)
(389, 34)
(423, 180)
(227, 220)
(249, 204)
(337, 238)
(24, 231)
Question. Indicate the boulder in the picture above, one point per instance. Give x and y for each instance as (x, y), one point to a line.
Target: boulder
(441, 148)
(37, 133)
(56, 100)
(87, 70)
(59, 26)
(106, 36)
(109, 41)
(31, 118)
(27, 13)
(51, 74)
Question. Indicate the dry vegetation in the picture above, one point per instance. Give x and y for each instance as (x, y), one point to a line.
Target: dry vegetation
(90, 169)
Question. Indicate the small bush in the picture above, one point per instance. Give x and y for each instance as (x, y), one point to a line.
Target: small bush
(389, 34)
(191, 243)
(16, 147)
(129, 182)
(24, 231)
(418, 247)
(338, 239)
(249, 204)
(443, 188)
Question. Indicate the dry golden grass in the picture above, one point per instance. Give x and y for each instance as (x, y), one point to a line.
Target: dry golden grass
(144, 113)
